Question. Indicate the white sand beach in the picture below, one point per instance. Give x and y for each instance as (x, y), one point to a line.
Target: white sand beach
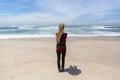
(35, 59)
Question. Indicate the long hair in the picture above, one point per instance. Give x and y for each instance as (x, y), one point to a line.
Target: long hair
(60, 32)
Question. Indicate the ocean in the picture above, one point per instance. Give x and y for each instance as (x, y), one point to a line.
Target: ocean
(37, 31)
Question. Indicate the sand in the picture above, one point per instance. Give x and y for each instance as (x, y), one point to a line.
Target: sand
(35, 59)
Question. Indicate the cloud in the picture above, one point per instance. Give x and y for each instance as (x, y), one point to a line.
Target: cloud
(67, 11)
(5, 14)
(33, 18)
(79, 7)
(111, 21)
(56, 7)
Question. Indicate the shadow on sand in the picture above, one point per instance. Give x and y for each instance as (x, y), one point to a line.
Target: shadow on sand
(73, 70)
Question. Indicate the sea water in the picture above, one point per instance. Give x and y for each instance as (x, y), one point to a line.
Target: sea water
(37, 31)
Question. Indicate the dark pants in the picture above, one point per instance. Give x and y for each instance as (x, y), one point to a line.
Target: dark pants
(59, 53)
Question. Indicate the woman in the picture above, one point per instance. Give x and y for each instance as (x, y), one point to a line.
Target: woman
(61, 46)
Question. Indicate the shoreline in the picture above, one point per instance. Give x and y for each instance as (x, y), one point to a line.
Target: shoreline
(113, 38)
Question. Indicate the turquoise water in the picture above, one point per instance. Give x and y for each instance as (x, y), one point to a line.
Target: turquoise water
(36, 31)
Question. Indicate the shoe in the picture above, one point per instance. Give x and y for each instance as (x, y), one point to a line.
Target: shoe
(62, 70)
(59, 70)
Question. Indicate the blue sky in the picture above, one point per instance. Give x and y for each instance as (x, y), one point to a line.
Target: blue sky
(55, 11)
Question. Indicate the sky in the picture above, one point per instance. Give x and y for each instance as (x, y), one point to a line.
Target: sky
(49, 12)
